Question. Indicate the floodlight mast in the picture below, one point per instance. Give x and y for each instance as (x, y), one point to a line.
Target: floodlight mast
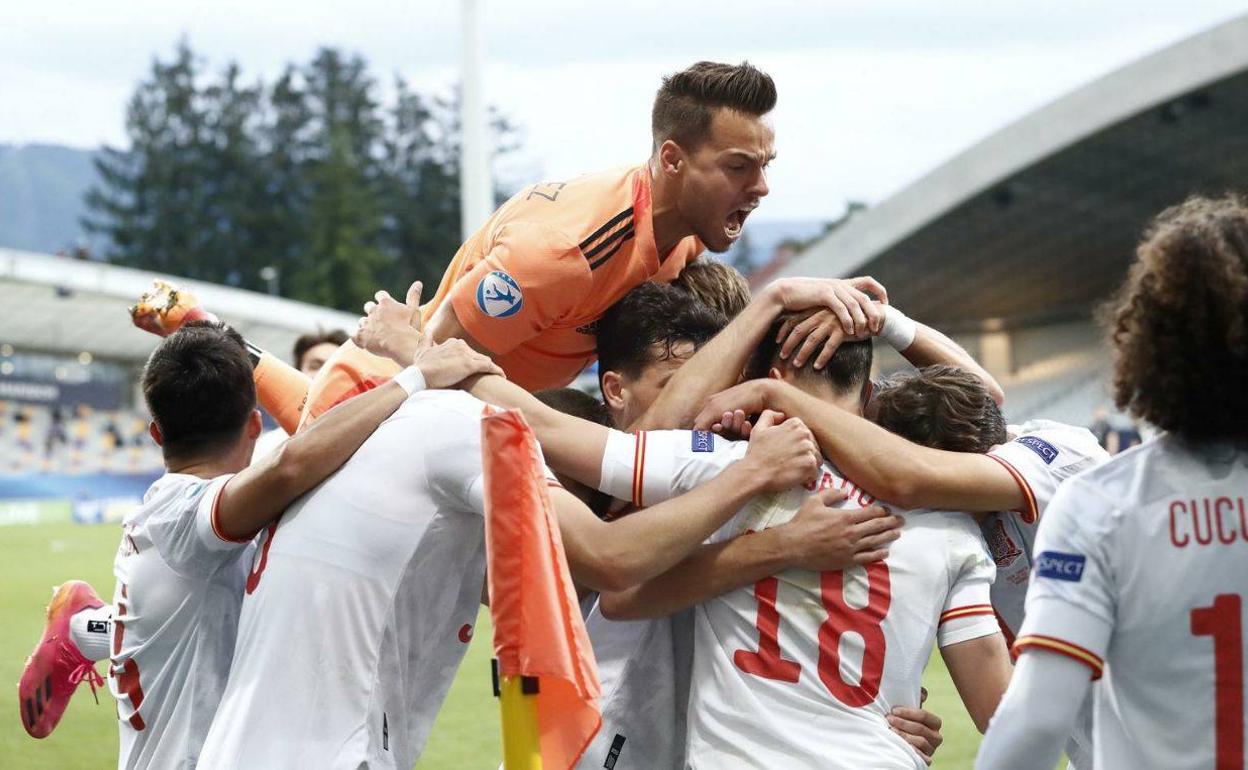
(476, 188)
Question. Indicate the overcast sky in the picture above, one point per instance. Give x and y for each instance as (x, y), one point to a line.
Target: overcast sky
(872, 94)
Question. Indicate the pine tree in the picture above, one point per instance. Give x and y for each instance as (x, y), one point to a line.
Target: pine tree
(149, 200)
(343, 256)
(309, 176)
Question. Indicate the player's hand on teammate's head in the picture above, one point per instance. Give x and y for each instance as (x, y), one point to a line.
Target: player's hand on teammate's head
(849, 300)
(392, 329)
(824, 538)
(919, 728)
(449, 363)
(802, 336)
(784, 451)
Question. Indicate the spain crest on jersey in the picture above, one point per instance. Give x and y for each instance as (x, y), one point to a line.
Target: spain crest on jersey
(1004, 549)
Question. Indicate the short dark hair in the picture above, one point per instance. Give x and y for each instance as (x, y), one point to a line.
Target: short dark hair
(312, 339)
(1179, 324)
(652, 315)
(848, 370)
(685, 103)
(942, 407)
(198, 387)
(716, 285)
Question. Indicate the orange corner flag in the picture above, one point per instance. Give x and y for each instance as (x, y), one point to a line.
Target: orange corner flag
(538, 631)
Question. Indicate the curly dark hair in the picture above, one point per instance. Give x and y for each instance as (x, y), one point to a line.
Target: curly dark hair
(942, 407)
(645, 325)
(1179, 324)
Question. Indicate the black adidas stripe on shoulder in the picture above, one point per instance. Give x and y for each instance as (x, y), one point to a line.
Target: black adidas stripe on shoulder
(613, 222)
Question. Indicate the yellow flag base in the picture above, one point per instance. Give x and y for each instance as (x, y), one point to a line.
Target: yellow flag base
(522, 748)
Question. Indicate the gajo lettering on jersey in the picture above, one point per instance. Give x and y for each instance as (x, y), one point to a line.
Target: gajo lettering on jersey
(498, 295)
(1061, 566)
(702, 441)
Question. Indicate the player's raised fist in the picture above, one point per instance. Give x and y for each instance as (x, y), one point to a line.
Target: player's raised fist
(783, 451)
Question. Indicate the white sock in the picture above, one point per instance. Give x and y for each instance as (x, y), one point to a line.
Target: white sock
(92, 631)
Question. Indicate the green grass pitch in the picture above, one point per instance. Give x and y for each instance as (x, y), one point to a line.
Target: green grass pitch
(37, 557)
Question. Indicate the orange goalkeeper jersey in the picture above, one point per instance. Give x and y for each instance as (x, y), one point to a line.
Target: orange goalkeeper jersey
(531, 284)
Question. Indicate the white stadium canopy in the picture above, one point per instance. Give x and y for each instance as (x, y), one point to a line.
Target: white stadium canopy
(58, 304)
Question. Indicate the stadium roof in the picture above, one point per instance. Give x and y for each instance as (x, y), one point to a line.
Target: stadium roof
(1039, 221)
(64, 305)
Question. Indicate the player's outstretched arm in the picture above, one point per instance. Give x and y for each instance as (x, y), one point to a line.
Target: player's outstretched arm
(1037, 714)
(930, 347)
(819, 538)
(980, 669)
(263, 490)
(719, 363)
(883, 463)
(918, 343)
(617, 555)
(569, 444)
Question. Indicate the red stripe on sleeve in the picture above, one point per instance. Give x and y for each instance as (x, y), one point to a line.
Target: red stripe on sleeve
(1029, 513)
(1061, 647)
(214, 519)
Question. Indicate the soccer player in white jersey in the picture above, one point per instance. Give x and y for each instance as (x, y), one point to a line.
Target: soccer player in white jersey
(184, 552)
(652, 332)
(1009, 487)
(363, 596)
(803, 668)
(1143, 561)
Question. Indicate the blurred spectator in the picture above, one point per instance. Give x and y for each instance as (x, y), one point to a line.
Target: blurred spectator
(74, 440)
(1116, 432)
(56, 432)
(313, 350)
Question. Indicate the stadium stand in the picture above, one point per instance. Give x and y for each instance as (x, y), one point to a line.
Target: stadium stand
(1013, 243)
(73, 430)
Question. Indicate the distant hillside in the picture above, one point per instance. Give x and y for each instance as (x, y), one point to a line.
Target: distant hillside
(41, 189)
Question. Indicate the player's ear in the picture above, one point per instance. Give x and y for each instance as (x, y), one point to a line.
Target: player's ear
(774, 373)
(613, 390)
(154, 431)
(255, 425)
(671, 158)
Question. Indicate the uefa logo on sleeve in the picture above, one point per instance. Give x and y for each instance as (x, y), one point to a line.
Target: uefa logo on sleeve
(498, 295)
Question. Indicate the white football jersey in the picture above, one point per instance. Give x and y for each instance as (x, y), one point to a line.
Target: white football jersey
(1040, 456)
(179, 587)
(361, 602)
(644, 668)
(801, 669)
(1141, 570)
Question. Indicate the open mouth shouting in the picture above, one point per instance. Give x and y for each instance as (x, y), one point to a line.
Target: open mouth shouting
(736, 222)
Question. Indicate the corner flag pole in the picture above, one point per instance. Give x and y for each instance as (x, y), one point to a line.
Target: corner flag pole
(517, 701)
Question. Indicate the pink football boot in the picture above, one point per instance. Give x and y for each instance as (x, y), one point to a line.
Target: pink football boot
(56, 666)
